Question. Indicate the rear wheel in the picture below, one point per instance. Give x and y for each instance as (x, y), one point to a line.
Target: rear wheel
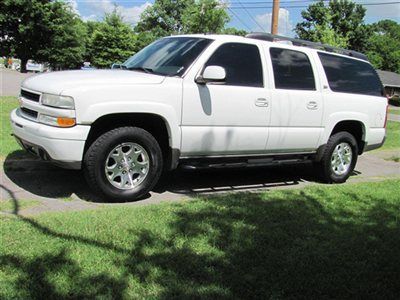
(123, 164)
(339, 158)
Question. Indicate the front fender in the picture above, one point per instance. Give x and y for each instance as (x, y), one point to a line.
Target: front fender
(96, 111)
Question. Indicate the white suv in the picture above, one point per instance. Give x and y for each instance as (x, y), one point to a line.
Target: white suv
(205, 101)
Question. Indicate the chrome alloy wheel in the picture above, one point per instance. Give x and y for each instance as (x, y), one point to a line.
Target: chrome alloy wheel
(127, 165)
(341, 158)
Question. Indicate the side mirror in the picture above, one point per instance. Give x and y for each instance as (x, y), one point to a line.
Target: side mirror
(116, 66)
(212, 74)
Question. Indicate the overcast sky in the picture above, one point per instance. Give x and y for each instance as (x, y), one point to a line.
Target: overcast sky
(251, 15)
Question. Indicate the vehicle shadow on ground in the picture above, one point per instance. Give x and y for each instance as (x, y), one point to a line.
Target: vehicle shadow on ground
(43, 179)
(257, 248)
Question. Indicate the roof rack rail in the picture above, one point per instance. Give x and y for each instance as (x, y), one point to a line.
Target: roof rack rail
(303, 43)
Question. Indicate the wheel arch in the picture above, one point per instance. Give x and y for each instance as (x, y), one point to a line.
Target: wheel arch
(357, 127)
(155, 124)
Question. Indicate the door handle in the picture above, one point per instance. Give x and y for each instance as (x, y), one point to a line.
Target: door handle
(262, 102)
(312, 105)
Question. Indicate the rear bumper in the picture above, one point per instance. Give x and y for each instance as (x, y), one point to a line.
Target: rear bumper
(62, 146)
(376, 139)
(374, 146)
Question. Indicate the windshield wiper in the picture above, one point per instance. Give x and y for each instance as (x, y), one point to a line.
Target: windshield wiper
(143, 69)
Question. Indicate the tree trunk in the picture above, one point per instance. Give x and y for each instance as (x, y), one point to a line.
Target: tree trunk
(23, 65)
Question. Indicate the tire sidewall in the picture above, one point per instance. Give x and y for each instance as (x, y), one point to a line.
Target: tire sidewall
(125, 135)
(341, 137)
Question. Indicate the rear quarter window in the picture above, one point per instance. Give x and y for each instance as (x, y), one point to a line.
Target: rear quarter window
(347, 75)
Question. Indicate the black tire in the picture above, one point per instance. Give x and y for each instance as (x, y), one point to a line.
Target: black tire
(96, 156)
(324, 167)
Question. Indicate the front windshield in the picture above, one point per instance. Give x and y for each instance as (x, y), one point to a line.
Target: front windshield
(167, 56)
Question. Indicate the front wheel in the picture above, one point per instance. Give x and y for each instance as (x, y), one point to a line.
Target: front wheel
(339, 158)
(123, 164)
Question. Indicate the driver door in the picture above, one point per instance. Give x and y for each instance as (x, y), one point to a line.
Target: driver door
(232, 117)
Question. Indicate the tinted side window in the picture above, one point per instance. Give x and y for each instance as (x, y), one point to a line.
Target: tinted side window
(292, 70)
(242, 64)
(348, 75)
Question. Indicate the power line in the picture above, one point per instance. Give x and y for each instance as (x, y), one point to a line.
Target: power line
(304, 6)
(239, 19)
(255, 21)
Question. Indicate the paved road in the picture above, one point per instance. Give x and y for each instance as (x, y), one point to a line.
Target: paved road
(10, 82)
(27, 179)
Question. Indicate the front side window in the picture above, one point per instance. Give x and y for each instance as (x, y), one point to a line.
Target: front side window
(349, 75)
(167, 56)
(292, 70)
(242, 63)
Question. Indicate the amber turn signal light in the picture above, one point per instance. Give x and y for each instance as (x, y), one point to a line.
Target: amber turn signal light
(66, 122)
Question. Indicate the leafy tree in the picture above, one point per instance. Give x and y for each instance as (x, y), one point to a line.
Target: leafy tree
(24, 28)
(343, 18)
(163, 17)
(167, 17)
(204, 16)
(42, 30)
(384, 46)
(234, 31)
(325, 34)
(111, 41)
(66, 45)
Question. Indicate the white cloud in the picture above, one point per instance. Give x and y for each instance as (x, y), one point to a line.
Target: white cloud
(73, 4)
(285, 26)
(129, 14)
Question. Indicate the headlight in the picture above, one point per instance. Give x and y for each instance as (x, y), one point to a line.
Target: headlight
(57, 121)
(58, 101)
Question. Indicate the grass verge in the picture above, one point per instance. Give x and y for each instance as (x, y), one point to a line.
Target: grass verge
(318, 242)
(9, 205)
(392, 136)
(7, 142)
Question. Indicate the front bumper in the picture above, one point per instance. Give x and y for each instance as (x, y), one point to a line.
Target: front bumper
(62, 146)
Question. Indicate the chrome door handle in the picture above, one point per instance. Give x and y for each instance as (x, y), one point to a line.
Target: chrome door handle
(262, 102)
(312, 105)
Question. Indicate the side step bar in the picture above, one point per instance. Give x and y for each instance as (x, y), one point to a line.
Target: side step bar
(222, 163)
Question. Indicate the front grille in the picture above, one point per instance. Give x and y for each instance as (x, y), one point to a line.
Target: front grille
(30, 96)
(31, 114)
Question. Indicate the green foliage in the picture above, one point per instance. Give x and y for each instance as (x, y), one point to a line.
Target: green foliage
(167, 17)
(164, 17)
(66, 46)
(24, 28)
(383, 47)
(110, 41)
(338, 241)
(204, 16)
(343, 18)
(326, 35)
(42, 30)
(234, 31)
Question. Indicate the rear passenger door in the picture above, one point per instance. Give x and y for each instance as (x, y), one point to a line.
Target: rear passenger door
(296, 101)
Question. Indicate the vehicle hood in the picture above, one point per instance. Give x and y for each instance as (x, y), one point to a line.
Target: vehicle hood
(57, 82)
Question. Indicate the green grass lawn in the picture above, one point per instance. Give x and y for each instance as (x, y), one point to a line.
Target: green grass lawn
(9, 205)
(394, 111)
(7, 142)
(339, 241)
(392, 136)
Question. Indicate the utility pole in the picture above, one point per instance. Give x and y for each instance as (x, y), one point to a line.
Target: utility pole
(275, 17)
